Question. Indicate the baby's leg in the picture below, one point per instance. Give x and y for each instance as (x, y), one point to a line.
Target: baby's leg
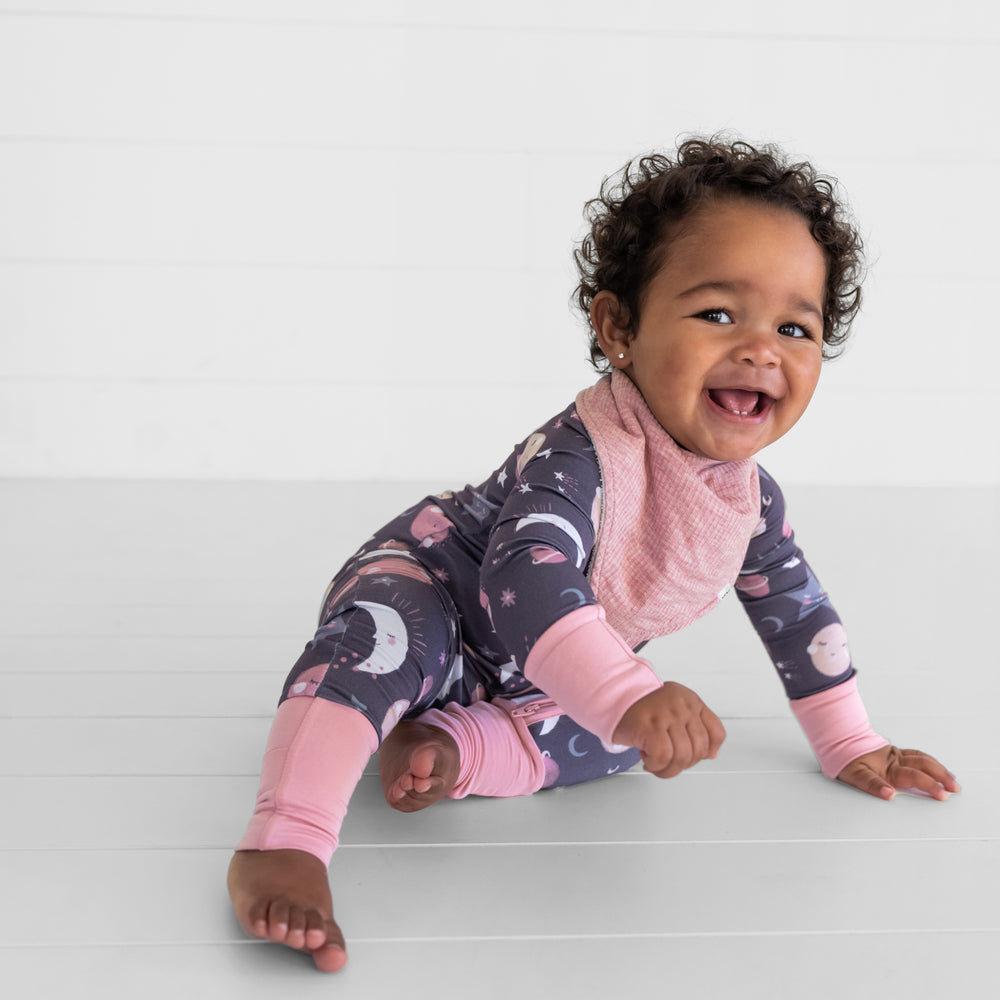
(387, 642)
(479, 749)
(277, 879)
(501, 748)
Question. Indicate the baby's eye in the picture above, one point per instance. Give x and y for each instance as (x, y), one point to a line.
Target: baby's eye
(716, 316)
(794, 330)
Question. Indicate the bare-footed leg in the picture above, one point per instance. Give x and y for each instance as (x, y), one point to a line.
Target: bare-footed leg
(284, 896)
(418, 764)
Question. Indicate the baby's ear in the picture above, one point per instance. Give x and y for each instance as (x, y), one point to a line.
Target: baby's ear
(610, 321)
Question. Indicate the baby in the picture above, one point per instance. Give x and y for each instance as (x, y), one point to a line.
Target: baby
(485, 640)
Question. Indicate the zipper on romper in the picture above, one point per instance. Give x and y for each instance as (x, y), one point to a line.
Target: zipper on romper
(537, 710)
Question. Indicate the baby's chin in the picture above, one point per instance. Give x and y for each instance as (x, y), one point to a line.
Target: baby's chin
(729, 454)
(720, 451)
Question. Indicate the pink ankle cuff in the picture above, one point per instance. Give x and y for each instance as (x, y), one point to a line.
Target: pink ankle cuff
(315, 756)
(836, 724)
(497, 756)
(586, 666)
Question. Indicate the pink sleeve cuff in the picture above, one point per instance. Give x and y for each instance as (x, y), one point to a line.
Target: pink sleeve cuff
(584, 665)
(836, 724)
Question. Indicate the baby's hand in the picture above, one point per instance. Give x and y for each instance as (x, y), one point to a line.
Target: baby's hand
(881, 772)
(672, 728)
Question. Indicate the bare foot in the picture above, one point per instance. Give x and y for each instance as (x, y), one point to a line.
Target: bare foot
(284, 896)
(418, 765)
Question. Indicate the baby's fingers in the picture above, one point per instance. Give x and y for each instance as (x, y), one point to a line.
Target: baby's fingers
(715, 729)
(920, 773)
(658, 755)
(926, 763)
(866, 780)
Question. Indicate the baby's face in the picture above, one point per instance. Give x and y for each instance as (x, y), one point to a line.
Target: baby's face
(729, 346)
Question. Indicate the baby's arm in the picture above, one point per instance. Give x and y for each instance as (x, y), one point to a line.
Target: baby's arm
(589, 670)
(535, 588)
(545, 612)
(808, 645)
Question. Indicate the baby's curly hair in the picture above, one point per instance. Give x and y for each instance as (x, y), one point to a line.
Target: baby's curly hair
(642, 207)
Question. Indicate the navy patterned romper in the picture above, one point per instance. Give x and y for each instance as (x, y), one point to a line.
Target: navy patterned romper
(445, 602)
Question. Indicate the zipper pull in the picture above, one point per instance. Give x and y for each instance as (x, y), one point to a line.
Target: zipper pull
(535, 707)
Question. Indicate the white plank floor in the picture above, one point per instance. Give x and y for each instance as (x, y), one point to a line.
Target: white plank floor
(147, 627)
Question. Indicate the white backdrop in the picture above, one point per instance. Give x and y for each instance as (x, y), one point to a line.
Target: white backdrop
(293, 239)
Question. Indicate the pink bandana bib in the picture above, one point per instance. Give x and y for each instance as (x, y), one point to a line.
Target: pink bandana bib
(675, 527)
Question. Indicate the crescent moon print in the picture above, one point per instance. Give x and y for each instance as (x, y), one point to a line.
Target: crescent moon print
(579, 595)
(391, 644)
(548, 725)
(574, 752)
(563, 525)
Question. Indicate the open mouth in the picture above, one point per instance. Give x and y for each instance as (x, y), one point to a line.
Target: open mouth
(740, 402)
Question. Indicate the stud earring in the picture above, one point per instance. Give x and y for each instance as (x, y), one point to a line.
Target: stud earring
(621, 357)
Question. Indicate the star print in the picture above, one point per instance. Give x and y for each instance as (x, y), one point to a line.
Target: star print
(558, 423)
(502, 478)
(545, 454)
(561, 476)
(442, 658)
(441, 574)
(508, 598)
(524, 488)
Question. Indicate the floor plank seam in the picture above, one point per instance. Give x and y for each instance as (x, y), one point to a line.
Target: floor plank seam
(832, 842)
(863, 932)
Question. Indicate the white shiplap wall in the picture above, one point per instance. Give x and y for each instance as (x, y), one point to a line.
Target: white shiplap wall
(307, 240)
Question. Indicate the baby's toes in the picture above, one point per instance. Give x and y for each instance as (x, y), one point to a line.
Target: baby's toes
(422, 763)
(256, 921)
(277, 921)
(331, 956)
(295, 937)
(316, 932)
(424, 787)
(399, 789)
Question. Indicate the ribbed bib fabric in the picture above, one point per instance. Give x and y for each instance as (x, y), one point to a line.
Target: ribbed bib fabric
(674, 526)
